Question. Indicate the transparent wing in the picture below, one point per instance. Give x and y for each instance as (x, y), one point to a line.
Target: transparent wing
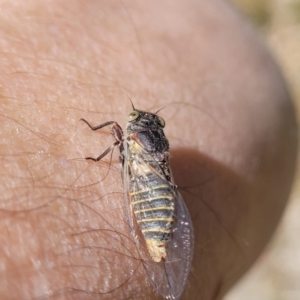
(169, 276)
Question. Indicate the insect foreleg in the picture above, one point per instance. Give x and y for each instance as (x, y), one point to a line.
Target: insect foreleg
(105, 152)
(116, 131)
(99, 126)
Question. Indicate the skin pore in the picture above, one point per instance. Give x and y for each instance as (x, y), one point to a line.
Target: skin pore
(229, 120)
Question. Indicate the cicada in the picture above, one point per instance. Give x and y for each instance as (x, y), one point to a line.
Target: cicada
(158, 218)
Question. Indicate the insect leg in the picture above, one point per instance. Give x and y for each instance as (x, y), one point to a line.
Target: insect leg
(116, 130)
(105, 152)
(117, 133)
(99, 126)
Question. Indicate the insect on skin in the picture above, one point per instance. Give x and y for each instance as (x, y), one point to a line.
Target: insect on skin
(157, 216)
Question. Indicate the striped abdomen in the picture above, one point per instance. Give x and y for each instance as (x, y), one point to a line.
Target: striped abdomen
(153, 206)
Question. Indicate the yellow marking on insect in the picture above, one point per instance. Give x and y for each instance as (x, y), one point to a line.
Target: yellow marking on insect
(153, 198)
(155, 208)
(155, 230)
(149, 190)
(156, 242)
(155, 219)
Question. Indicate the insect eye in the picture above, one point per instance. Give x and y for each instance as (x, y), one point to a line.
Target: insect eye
(133, 115)
(161, 122)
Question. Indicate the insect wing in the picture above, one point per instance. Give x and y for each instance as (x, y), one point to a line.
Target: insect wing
(179, 250)
(169, 276)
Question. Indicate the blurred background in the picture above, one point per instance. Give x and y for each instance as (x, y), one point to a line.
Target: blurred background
(276, 274)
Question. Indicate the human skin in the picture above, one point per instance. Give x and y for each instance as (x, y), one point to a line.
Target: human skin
(229, 120)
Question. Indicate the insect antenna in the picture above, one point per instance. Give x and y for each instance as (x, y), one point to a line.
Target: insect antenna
(131, 102)
(160, 109)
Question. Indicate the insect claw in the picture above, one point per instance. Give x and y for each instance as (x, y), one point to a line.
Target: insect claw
(90, 158)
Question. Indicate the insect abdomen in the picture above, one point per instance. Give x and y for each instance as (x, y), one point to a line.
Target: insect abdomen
(154, 211)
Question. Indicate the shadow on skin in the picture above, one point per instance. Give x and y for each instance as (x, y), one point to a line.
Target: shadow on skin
(224, 209)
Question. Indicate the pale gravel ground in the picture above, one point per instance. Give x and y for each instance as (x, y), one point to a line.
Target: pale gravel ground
(276, 274)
